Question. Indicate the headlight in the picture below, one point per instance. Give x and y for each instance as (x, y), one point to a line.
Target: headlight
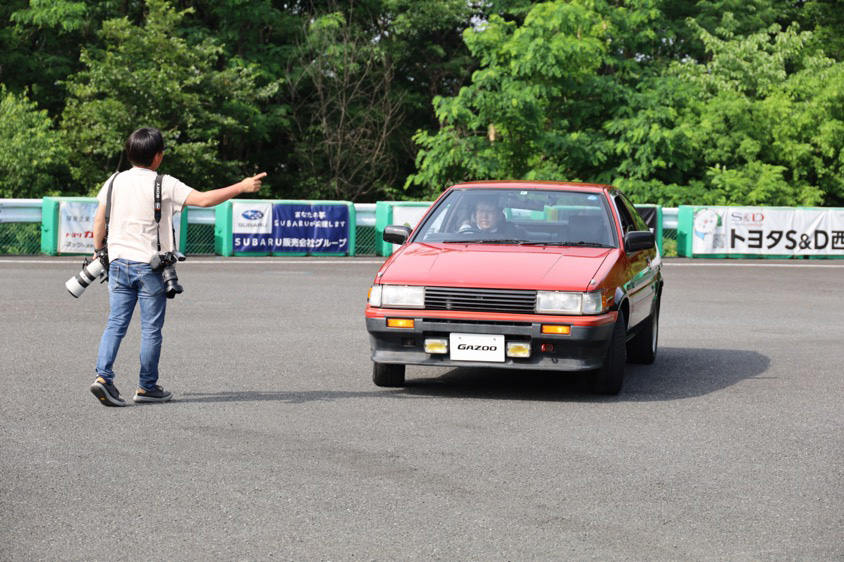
(558, 302)
(402, 296)
(375, 296)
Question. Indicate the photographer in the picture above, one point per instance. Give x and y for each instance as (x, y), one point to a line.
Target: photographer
(136, 240)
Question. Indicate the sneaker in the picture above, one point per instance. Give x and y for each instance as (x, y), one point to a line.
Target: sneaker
(157, 395)
(107, 393)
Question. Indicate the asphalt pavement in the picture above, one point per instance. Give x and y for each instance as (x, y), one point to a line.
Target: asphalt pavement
(278, 446)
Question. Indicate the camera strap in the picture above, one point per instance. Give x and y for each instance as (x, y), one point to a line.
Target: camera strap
(157, 208)
(158, 179)
(108, 206)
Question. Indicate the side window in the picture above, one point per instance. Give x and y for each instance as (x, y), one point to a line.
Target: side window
(627, 223)
(638, 221)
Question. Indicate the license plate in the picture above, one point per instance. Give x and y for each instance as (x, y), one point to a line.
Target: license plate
(476, 347)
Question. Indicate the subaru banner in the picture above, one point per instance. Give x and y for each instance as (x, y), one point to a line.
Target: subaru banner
(290, 228)
(252, 227)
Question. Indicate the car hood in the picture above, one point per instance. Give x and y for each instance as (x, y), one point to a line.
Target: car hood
(494, 266)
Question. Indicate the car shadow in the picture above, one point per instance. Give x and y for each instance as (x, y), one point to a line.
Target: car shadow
(289, 397)
(677, 373)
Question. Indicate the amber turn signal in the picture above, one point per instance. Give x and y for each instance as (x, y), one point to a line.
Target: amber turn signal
(556, 329)
(400, 322)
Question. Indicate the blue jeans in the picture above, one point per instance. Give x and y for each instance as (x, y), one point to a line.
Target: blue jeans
(129, 282)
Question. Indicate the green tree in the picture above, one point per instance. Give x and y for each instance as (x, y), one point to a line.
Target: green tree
(32, 154)
(536, 106)
(344, 110)
(586, 90)
(760, 123)
(148, 75)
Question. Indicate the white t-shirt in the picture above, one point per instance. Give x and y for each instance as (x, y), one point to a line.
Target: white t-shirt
(132, 229)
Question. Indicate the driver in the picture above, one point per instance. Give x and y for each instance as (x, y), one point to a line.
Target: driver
(488, 218)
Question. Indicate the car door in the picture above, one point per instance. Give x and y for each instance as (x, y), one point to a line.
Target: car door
(641, 284)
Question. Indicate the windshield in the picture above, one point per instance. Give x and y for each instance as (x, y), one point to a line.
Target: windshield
(520, 216)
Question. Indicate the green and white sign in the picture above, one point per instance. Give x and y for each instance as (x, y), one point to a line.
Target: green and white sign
(760, 231)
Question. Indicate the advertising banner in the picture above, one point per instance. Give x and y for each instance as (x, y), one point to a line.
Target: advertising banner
(76, 227)
(767, 231)
(314, 229)
(290, 228)
(252, 227)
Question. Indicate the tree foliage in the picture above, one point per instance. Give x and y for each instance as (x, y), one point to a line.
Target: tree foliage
(676, 101)
(31, 150)
(760, 122)
(147, 75)
(573, 94)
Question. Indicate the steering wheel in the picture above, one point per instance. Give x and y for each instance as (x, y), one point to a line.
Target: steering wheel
(469, 229)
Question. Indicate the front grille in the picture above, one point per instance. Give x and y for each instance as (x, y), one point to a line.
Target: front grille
(479, 322)
(480, 300)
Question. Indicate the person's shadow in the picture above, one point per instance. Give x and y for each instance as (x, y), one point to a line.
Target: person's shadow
(677, 373)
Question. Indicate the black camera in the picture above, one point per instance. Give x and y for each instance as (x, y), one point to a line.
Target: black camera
(167, 261)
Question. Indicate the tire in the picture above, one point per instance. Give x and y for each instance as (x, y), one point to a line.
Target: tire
(384, 374)
(610, 377)
(642, 348)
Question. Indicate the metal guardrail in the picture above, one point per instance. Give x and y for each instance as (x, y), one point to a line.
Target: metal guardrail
(201, 237)
(29, 210)
(669, 218)
(20, 210)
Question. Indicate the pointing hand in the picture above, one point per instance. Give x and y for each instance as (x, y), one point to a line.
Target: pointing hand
(253, 184)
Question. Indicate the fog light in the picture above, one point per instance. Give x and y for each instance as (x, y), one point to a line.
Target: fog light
(556, 329)
(433, 346)
(518, 349)
(400, 322)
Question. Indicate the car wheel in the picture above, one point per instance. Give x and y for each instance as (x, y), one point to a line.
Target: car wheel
(384, 374)
(609, 378)
(642, 348)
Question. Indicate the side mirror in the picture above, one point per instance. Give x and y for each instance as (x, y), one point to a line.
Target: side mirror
(639, 240)
(396, 234)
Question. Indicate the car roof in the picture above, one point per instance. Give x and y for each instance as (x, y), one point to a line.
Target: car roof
(527, 184)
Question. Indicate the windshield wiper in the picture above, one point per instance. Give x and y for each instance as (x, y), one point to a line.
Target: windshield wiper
(484, 241)
(587, 244)
(581, 243)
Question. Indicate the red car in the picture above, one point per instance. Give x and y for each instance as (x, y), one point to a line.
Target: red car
(519, 275)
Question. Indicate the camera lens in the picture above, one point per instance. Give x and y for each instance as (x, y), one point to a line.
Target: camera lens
(171, 282)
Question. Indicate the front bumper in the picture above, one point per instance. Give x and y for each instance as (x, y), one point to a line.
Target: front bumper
(583, 349)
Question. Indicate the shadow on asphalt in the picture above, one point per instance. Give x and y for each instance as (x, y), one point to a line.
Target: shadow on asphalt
(677, 373)
(291, 397)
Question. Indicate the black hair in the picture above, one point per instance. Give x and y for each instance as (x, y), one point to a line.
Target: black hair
(143, 145)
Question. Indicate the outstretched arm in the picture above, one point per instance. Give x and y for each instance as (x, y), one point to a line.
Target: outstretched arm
(217, 196)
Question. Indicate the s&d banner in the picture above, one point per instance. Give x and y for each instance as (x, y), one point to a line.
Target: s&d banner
(763, 231)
